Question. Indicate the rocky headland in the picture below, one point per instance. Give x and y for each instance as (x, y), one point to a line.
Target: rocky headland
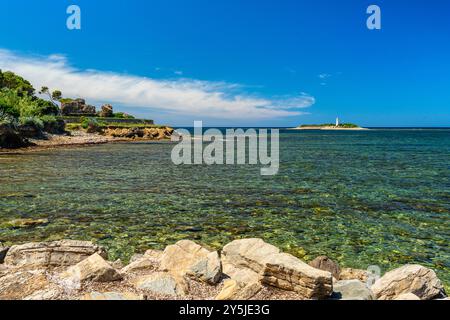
(243, 270)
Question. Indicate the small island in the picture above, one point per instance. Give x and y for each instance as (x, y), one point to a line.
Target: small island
(330, 126)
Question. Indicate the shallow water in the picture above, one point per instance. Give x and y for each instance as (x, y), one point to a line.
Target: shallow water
(379, 197)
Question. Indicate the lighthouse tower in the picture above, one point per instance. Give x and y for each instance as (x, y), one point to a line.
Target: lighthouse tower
(337, 122)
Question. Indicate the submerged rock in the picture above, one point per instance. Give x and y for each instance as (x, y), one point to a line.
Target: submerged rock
(24, 223)
(326, 264)
(414, 279)
(351, 290)
(51, 254)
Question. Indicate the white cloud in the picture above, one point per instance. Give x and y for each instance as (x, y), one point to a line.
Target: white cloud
(182, 97)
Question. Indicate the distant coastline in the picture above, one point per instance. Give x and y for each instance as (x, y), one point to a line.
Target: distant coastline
(344, 127)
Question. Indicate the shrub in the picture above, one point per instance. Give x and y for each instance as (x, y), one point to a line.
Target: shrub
(92, 125)
(122, 115)
(31, 121)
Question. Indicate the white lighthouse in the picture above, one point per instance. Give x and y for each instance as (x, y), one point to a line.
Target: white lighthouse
(337, 122)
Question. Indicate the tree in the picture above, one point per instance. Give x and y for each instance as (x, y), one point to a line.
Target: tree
(12, 81)
(57, 95)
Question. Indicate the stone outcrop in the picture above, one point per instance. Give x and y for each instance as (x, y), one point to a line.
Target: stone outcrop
(107, 111)
(51, 254)
(94, 268)
(11, 138)
(77, 107)
(188, 258)
(414, 279)
(162, 283)
(151, 133)
(351, 290)
(326, 264)
(243, 260)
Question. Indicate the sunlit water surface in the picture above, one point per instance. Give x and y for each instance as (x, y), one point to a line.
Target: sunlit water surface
(378, 197)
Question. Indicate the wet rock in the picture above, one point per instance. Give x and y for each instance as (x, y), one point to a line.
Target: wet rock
(51, 254)
(354, 274)
(162, 283)
(187, 257)
(326, 264)
(112, 296)
(233, 290)
(94, 268)
(17, 286)
(351, 290)
(414, 279)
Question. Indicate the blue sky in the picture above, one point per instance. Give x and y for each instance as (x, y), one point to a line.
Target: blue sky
(234, 62)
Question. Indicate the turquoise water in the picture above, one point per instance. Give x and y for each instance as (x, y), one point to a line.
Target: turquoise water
(377, 197)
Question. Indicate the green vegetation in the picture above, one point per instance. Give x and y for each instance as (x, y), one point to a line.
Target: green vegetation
(342, 125)
(121, 115)
(18, 102)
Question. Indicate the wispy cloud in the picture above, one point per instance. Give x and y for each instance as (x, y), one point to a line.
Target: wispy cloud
(183, 96)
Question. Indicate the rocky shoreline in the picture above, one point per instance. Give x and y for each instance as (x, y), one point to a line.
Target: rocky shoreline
(247, 269)
(78, 138)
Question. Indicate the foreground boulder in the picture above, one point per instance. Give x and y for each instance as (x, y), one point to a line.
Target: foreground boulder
(51, 254)
(245, 259)
(188, 258)
(149, 261)
(326, 264)
(233, 290)
(94, 268)
(414, 279)
(351, 290)
(112, 296)
(407, 296)
(162, 283)
(19, 285)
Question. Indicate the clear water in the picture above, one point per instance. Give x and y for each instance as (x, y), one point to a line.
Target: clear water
(363, 198)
